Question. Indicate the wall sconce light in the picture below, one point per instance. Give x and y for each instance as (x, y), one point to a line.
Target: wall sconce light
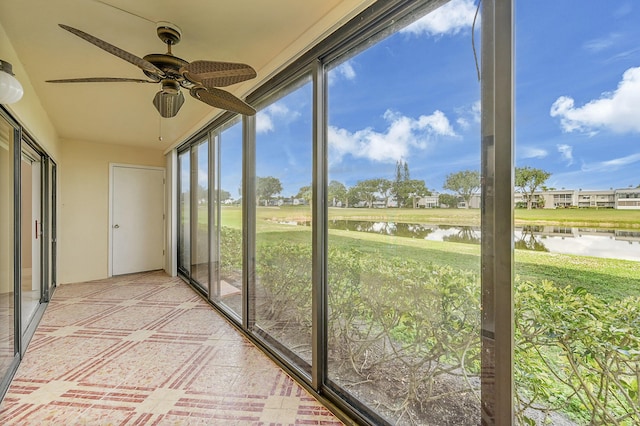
(10, 88)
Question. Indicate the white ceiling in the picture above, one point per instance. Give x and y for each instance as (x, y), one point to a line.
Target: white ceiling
(265, 34)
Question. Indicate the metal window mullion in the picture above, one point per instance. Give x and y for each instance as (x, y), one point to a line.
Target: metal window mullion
(248, 221)
(193, 210)
(497, 212)
(46, 232)
(54, 228)
(214, 250)
(319, 230)
(212, 196)
(17, 243)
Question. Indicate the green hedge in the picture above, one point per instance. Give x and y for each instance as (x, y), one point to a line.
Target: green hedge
(574, 353)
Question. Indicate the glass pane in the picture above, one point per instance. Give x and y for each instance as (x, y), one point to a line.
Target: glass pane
(7, 259)
(184, 212)
(283, 232)
(577, 234)
(200, 254)
(404, 223)
(229, 260)
(31, 234)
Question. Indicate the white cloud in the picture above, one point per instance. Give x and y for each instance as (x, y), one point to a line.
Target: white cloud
(468, 115)
(617, 111)
(611, 165)
(452, 18)
(566, 151)
(401, 136)
(602, 43)
(343, 71)
(203, 177)
(266, 118)
(530, 152)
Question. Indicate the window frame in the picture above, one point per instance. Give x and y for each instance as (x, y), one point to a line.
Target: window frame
(497, 99)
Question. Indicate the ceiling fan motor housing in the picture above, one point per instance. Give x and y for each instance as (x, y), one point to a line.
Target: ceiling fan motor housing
(169, 33)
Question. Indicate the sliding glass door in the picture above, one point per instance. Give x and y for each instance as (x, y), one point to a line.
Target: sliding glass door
(184, 213)
(226, 247)
(8, 257)
(27, 241)
(50, 237)
(200, 214)
(32, 232)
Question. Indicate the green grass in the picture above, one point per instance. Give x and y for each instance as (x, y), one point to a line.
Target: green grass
(610, 279)
(603, 218)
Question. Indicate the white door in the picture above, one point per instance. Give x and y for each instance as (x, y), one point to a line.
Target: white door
(137, 219)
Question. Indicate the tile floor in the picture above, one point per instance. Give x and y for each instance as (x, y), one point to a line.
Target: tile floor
(145, 349)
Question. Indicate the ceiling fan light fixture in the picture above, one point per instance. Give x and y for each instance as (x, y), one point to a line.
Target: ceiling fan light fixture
(168, 104)
(10, 88)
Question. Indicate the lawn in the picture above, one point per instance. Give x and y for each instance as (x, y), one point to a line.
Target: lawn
(610, 279)
(387, 282)
(602, 218)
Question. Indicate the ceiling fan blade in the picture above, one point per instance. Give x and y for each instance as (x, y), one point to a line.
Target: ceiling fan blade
(122, 54)
(100, 80)
(217, 74)
(222, 99)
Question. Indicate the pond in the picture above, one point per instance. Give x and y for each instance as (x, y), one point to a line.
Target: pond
(598, 242)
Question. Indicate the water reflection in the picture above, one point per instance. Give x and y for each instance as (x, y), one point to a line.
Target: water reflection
(599, 242)
(464, 234)
(529, 238)
(408, 230)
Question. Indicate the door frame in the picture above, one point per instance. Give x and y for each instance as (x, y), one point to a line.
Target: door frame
(112, 167)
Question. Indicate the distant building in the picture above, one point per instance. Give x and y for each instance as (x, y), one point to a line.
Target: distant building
(428, 202)
(628, 198)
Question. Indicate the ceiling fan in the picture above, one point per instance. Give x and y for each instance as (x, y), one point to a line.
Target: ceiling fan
(201, 78)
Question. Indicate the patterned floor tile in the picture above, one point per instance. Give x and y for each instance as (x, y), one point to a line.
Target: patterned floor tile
(145, 349)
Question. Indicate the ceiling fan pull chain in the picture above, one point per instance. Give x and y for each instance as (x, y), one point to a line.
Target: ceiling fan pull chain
(160, 128)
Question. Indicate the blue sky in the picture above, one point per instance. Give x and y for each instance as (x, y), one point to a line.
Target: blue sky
(414, 96)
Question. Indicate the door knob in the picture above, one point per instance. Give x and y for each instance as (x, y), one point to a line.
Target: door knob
(116, 226)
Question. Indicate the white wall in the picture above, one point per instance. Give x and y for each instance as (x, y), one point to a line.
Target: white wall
(28, 110)
(83, 230)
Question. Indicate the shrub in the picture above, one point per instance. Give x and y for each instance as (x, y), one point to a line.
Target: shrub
(230, 251)
(412, 323)
(576, 352)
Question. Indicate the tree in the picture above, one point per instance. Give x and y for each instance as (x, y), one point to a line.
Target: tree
(353, 196)
(465, 183)
(202, 194)
(336, 192)
(451, 201)
(368, 190)
(528, 179)
(408, 192)
(224, 195)
(267, 187)
(306, 193)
